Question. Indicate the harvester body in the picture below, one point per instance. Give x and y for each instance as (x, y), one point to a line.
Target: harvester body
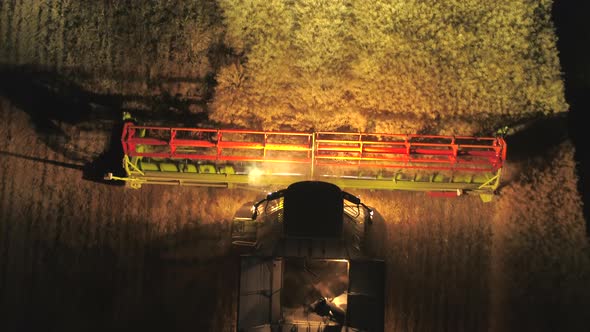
(306, 264)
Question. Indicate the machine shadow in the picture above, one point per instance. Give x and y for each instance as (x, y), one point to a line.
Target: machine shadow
(60, 109)
(376, 236)
(42, 160)
(536, 137)
(572, 29)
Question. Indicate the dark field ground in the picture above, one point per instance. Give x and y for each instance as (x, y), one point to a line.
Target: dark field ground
(80, 254)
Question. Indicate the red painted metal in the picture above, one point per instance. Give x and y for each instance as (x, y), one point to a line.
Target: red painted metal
(433, 152)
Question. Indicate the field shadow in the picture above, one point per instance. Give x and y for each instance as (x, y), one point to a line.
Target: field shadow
(376, 236)
(192, 280)
(61, 111)
(59, 285)
(51, 96)
(42, 160)
(535, 137)
(573, 36)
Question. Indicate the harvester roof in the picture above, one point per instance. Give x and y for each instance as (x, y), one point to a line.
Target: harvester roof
(313, 209)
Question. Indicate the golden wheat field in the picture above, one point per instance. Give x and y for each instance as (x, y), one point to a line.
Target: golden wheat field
(81, 254)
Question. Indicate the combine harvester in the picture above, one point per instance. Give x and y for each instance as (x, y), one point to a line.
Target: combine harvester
(305, 262)
(439, 165)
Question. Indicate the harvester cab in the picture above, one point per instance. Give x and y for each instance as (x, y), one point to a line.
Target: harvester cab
(308, 210)
(306, 264)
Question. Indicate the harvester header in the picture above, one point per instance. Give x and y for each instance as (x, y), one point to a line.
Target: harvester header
(446, 165)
